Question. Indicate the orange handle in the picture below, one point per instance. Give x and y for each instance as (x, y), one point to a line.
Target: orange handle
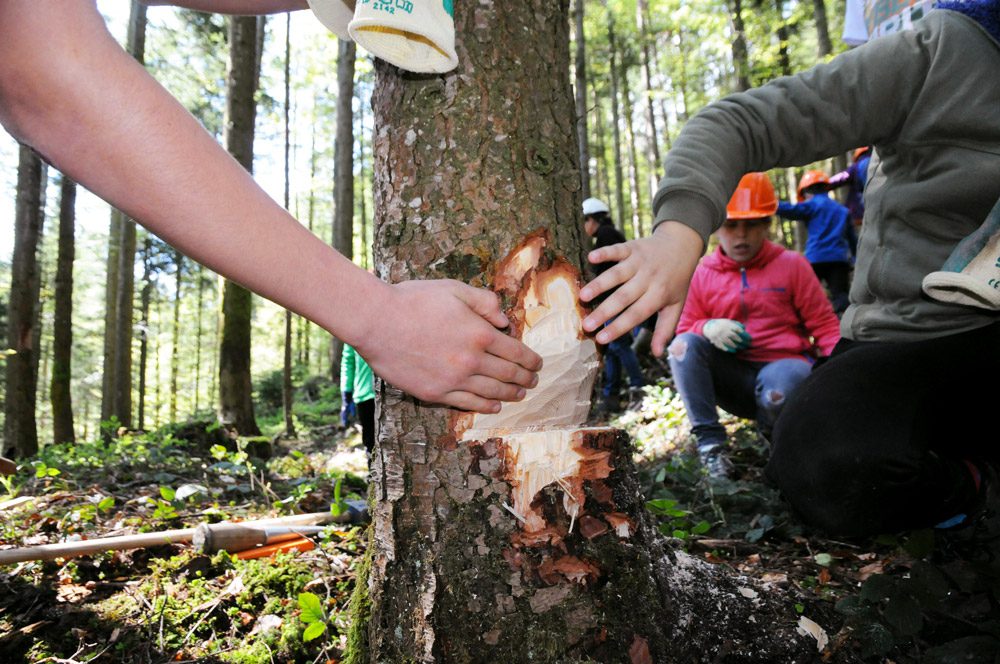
(300, 545)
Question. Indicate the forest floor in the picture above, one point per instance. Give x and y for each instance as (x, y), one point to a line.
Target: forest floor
(901, 598)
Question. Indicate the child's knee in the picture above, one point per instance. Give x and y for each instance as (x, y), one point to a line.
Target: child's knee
(685, 345)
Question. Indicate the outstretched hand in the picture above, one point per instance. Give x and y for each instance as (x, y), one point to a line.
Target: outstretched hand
(438, 340)
(652, 275)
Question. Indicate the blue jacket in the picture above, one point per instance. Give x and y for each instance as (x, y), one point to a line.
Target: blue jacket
(831, 233)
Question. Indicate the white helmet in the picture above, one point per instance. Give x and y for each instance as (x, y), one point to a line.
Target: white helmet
(593, 206)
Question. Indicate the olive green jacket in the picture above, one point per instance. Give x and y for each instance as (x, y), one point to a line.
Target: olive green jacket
(928, 99)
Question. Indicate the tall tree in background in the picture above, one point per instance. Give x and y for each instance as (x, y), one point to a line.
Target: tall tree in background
(823, 43)
(580, 93)
(117, 380)
(286, 376)
(343, 173)
(62, 322)
(235, 386)
(20, 426)
(653, 144)
(144, 331)
(616, 133)
(175, 334)
(741, 59)
(456, 576)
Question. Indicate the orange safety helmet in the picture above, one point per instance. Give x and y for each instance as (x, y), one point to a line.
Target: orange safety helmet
(753, 199)
(860, 151)
(809, 179)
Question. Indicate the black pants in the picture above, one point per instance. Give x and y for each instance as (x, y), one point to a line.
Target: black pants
(366, 416)
(875, 439)
(837, 278)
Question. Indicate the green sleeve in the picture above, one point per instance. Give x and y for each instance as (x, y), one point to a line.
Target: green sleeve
(347, 362)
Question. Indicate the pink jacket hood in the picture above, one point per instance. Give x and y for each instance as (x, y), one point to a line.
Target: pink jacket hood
(776, 296)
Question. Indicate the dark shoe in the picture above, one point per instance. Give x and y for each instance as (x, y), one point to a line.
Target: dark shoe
(635, 397)
(976, 536)
(714, 460)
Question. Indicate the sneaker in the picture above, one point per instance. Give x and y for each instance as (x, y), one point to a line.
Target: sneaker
(714, 460)
(635, 397)
(976, 536)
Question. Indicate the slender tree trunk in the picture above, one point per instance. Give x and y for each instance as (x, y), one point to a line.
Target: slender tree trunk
(782, 33)
(603, 184)
(741, 60)
(110, 315)
(20, 426)
(343, 174)
(824, 45)
(685, 111)
(653, 144)
(365, 245)
(144, 297)
(497, 544)
(175, 335)
(235, 385)
(197, 339)
(62, 326)
(616, 122)
(580, 66)
(123, 328)
(635, 198)
(286, 376)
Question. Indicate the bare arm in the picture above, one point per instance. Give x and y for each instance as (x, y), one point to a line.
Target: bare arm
(70, 91)
(243, 7)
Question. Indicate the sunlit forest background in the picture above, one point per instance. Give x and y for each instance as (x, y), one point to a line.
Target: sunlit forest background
(647, 66)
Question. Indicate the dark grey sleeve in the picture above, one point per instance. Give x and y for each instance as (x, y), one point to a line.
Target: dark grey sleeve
(861, 97)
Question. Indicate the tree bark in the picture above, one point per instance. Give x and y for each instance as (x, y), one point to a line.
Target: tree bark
(635, 198)
(110, 315)
(518, 537)
(343, 174)
(653, 151)
(580, 96)
(616, 132)
(824, 45)
(741, 60)
(60, 392)
(20, 426)
(175, 334)
(235, 385)
(144, 298)
(286, 373)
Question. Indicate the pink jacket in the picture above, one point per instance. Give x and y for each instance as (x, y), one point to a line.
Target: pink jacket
(776, 296)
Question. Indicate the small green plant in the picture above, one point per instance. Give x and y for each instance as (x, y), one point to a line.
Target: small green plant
(676, 522)
(42, 471)
(312, 615)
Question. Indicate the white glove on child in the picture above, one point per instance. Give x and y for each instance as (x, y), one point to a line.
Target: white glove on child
(726, 334)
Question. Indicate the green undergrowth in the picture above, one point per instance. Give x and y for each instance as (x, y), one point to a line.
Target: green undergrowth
(923, 596)
(169, 603)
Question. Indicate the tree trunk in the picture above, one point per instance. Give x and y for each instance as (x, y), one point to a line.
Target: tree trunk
(197, 339)
(286, 374)
(741, 60)
(616, 132)
(343, 174)
(144, 297)
(20, 427)
(653, 150)
(603, 186)
(60, 392)
(118, 369)
(363, 212)
(823, 42)
(492, 542)
(110, 315)
(235, 385)
(635, 198)
(175, 335)
(580, 91)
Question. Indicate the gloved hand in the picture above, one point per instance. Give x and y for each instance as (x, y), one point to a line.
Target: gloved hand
(348, 409)
(726, 334)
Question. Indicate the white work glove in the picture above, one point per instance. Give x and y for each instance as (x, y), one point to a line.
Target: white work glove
(727, 335)
(416, 35)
